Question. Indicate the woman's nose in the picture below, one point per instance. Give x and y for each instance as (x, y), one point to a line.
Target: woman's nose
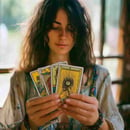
(63, 33)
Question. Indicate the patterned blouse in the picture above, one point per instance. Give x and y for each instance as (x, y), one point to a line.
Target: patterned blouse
(95, 83)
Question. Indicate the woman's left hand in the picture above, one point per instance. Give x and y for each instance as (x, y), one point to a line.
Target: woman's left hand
(82, 108)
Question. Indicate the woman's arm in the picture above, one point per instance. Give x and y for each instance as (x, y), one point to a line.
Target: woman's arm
(108, 105)
(105, 125)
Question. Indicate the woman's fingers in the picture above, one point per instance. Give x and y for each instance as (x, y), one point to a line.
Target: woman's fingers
(82, 119)
(80, 104)
(40, 100)
(41, 103)
(82, 108)
(51, 116)
(43, 109)
(44, 106)
(77, 110)
(41, 120)
(84, 98)
(43, 113)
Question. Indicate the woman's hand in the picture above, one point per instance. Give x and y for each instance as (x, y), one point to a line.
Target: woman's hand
(43, 109)
(82, 108)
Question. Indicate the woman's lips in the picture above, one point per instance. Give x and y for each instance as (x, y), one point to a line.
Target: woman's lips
(61, 45)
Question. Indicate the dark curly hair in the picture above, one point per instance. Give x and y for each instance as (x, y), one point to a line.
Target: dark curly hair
(35, 49)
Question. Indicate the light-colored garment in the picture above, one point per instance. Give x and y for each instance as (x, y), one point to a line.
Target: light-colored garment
(22, 89)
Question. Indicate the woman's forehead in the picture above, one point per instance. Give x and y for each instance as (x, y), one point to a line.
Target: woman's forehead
(61, 16)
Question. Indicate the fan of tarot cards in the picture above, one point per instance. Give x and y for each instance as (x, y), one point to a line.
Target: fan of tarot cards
(59, 78)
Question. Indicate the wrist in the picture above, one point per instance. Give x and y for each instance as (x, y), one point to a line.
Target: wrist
(105, 125)
(97, 124)
(28, 124)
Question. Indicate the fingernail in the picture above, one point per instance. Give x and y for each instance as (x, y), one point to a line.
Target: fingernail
(67, 100)
(56, 95)
(58, 100)
(73, 94)
(65, 106)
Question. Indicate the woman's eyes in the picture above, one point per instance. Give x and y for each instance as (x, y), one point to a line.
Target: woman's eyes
(56, 28)
(68, 29)
(71, 29)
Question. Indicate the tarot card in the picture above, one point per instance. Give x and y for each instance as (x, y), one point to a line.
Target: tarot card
(40, 87)
(54, 75)
(69, 80)
(45, 73)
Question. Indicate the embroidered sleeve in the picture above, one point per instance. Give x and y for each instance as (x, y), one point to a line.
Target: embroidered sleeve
(13, 111)
(108, 106)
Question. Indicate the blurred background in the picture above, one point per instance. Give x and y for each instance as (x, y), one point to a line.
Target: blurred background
(111, 29)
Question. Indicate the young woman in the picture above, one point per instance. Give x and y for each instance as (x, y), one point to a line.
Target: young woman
(60, 30)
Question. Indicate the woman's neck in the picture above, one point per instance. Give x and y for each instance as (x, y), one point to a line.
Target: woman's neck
(57, 58)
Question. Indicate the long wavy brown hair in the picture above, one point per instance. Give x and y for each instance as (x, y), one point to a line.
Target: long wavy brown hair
(35, 49)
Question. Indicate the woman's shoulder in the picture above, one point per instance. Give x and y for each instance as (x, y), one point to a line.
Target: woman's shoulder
(19, 81)
(18, 75)
(97, 71)
(101, 70)
(100, 73)
(103, 75)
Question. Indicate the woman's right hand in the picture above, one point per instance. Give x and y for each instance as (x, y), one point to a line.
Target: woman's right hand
(43, 109)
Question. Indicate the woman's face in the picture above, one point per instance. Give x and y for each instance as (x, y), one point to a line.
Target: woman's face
(61, 39)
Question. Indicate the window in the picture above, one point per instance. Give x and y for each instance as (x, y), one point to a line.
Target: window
(105, 16)
(11, 17)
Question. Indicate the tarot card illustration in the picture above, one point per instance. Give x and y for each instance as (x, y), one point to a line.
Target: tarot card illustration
(45, 73)
(69, 80)
(40, 87)
(54, 75)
